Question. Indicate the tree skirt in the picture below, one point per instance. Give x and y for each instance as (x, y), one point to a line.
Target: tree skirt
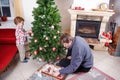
(93, 74)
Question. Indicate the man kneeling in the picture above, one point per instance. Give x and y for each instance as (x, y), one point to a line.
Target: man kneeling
(79, 57)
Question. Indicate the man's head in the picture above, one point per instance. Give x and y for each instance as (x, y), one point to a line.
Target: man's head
(19, 21)
(66, 40)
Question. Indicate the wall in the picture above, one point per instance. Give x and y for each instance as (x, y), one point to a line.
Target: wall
(115, 5)
(89, 5)
(28, 12)
(63, 6)
(117, 10)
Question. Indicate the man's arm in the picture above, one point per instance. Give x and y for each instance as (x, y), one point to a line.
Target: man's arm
(75, 61)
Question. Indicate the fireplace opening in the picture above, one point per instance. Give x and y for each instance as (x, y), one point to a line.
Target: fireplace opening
(87, 29)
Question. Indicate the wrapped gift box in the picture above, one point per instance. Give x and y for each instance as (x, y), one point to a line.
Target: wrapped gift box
(52, 71)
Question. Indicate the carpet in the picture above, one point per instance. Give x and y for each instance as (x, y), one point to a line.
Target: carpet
(93, 74)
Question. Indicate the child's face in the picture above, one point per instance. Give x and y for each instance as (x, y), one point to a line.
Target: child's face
(21, 23)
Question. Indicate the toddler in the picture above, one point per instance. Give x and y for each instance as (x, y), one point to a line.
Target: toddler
(21, 38)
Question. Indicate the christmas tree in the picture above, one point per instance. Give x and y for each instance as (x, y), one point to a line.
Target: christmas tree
(46, 32)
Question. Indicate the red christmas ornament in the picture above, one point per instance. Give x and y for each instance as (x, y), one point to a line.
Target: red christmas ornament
(58, 58)
(35, 52)
(40, 48)
(106, 44)
(4, 18)
(109, 35)
(53, 49)
(103, 33)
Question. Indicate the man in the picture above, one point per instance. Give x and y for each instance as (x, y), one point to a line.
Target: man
(79, 57)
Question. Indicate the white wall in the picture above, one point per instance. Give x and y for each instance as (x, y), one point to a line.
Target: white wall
(63, 6)
(89, 4)
(117, 10)
(27, 9)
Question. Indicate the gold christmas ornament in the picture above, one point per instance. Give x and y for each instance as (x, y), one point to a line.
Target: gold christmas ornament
(35, 40)
(32, 34)
(46, 38)
(54, 37)
(52, 27)
(58, 31)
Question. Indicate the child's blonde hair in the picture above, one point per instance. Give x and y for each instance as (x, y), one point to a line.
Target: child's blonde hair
(18, 19)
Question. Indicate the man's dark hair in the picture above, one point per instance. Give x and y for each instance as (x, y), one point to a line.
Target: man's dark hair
(65, 38)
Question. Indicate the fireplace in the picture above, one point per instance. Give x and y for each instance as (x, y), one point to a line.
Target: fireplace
(97, 22)
(102, 16)
(87, 28)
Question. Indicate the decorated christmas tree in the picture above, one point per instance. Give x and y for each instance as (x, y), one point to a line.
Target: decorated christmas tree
(46, 32)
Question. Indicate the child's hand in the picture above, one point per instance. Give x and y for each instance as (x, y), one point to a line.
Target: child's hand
(29, 31)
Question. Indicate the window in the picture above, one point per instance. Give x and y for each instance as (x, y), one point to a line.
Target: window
(6, 8)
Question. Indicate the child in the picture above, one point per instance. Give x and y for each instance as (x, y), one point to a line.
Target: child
(21, 38)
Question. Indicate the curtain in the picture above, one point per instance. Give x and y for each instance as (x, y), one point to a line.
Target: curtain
(18, 11)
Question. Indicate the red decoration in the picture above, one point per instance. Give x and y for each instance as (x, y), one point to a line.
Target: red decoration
(78, 8)
(53, 49)
(40, 48)
(35, 52)
(4, 18)
(58, 58)
(103, 33)
(106, 44)
(107, 36)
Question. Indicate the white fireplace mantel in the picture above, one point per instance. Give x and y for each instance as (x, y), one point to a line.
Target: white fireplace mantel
(102, 16)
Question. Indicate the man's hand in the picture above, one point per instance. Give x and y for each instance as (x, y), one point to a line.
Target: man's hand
(56, 73)
(69, 57)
